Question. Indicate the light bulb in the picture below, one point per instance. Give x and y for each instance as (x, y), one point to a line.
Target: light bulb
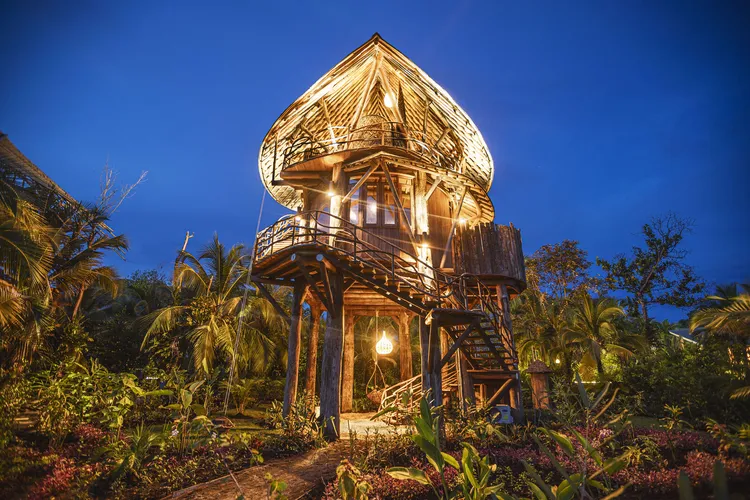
(462, 221)
(387, 100)
(557, 361)
(384, 346)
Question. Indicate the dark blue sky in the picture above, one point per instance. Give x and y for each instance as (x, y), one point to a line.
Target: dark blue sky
(598, 114)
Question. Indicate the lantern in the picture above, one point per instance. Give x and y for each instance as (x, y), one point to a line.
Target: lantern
(384, 346)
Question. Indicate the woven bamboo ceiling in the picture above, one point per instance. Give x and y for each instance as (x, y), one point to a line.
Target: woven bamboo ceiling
(376, 80)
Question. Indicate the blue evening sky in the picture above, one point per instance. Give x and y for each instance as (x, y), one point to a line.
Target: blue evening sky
(599, 114)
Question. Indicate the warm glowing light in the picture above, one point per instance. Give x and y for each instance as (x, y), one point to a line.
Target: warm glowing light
(331, 194)
(557, 361)
(384, 346)
(388, 101)
(462, 221)
(425, 246)
(298, 218)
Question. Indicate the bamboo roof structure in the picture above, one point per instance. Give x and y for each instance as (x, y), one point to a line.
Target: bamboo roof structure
(12, 160)
(378, 81)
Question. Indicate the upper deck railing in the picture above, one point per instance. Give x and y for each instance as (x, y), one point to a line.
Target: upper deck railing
(335, 139)
(322, 230)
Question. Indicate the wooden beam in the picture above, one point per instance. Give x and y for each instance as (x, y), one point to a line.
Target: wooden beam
(434, 186)
(499, 392)
(424, 120)
(442, 136)
(359, 183)
(366, 93)
(453, 228)
(267, 295)
(457, 343)
(323, 270)
(328, 120)
(397, 199)
(313, 285)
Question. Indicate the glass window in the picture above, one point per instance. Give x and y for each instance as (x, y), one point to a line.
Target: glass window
(406, 201)
(354, 205)
(389, 208)
(371, 215)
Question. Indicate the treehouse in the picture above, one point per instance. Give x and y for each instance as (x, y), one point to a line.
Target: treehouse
(387, 180)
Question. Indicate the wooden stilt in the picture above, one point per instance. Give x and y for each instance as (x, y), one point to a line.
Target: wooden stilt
(429, 340)
(311, 371)
(347, 381)
(293, 349)
(465, 383)
(404, 346)
(330, 369)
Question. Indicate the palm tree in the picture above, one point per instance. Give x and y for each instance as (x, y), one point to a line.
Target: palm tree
(541, 325)
(25, 258)
(594, 329)
(727, 313)
(210, 287)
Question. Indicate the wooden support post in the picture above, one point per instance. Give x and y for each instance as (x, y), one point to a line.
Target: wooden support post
(347, 382)
(432, 380)
(465, 383)
(293, 349)
(330, 370)
(311, 371)
(404, 345)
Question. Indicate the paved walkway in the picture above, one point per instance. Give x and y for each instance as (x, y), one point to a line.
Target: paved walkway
(302, 473)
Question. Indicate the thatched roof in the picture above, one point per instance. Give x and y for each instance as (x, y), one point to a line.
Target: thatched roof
(376, 80)
(11, 159)
(538, 366)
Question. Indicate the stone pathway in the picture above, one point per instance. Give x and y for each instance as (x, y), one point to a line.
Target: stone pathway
(302, 473)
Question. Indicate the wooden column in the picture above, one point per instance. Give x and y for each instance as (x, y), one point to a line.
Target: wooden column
(330, 369)
(429, 340)
(293, 348)
(465, 383)
(347, 382)
(404, 345)
(311, 371)
(516, 397)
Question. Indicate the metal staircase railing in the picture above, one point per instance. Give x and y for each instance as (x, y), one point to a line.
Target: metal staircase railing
(400, 268)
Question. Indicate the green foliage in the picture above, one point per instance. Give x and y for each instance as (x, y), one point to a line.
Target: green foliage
(83, 394)
(697, 378)
(474, 471)
(14, 395)
(350, 485)
(276, 488)
(301, 428)
(131, 453)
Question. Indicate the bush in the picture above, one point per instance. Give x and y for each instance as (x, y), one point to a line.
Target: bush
(698, 378)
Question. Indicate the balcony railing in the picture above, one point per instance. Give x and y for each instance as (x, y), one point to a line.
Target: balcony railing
(393, 134)
(322, 230)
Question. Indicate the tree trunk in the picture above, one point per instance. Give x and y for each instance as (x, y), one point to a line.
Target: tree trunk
(293, 350)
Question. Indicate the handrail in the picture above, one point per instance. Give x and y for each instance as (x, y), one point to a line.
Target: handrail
(385, 133)
(322, 228)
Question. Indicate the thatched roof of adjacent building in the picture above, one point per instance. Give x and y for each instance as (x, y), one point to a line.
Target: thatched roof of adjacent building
(376, 81)
(13, 161)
